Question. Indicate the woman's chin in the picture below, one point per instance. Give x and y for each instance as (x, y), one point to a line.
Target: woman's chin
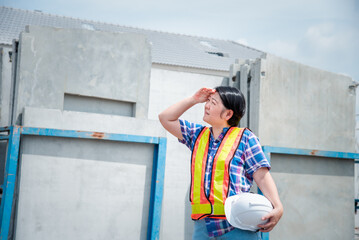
(205, 119)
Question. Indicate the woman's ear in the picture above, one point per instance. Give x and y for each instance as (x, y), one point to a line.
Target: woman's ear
(228, 114)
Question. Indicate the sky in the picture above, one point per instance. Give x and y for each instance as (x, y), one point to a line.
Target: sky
(320, 33)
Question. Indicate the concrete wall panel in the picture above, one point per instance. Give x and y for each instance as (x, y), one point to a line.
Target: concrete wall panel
(97, 162)
(304, 107)
(67, 198)
(243, 85)
(112, 66)
(317, 194)
(253, 98)
(5, 87)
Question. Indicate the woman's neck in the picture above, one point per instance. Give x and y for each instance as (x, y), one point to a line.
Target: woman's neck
(217, 130)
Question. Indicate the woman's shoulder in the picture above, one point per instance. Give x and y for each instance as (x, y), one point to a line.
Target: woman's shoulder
(249, 136)
(190, 128)
(248, 133)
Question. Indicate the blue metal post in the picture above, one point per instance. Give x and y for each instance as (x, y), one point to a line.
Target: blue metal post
(9, 181)
(157, 185)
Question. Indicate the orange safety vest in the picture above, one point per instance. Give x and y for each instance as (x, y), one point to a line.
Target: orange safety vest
(213, 205)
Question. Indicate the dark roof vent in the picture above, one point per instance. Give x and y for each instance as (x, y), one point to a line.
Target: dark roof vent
(220, 54)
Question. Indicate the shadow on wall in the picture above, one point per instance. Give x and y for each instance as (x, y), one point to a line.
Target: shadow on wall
(188, 222)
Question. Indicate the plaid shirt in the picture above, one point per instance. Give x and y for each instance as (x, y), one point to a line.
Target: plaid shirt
(248, 158)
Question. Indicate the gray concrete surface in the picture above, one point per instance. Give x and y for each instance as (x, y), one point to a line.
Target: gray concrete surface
(316, 193)
(70, 120)
(243, 86)
(305, 107)
(100, 65)
(5, 86)
(70, 177)
(97, 105)
(70, 198)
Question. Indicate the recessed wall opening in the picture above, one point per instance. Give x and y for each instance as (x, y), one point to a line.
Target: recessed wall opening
(98, 105)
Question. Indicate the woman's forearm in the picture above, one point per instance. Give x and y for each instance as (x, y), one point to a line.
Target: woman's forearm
(169, 117)
(267, 185)
(173, 112)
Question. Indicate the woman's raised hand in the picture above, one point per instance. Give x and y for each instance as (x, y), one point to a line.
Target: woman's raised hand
(203, 94)
(169, 117)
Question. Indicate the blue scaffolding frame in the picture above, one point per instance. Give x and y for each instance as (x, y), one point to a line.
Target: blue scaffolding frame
(268, 150)
(13, 137)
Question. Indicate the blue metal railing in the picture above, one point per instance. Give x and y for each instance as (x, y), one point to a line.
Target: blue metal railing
(13, 137)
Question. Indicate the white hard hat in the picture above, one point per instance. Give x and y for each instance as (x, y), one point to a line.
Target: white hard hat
(245, 210)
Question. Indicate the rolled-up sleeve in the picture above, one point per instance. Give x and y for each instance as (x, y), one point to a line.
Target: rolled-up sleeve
(190, 132)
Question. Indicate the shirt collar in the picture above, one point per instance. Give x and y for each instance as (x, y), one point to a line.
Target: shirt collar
(220, 137)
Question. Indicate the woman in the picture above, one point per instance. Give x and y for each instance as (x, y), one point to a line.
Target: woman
(214, 150)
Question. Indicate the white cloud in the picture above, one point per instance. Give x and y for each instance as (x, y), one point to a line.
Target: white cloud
(331, 46)
(328, 37)
(330, 40)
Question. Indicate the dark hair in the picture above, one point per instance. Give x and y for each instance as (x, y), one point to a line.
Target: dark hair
(233, 99)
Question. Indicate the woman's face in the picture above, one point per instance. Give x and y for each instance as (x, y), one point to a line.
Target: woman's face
(213, 110)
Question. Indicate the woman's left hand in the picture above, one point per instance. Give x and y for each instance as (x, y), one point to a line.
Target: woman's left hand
(273, 217)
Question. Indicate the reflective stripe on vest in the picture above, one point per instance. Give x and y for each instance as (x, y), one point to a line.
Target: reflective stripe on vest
(213, 205)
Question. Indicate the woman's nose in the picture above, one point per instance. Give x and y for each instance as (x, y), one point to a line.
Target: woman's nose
(206, 106)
